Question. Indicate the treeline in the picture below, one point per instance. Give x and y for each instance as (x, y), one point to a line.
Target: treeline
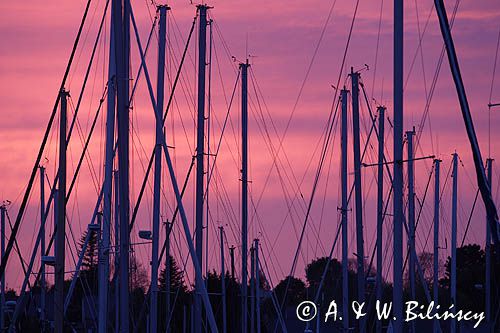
(284, 297)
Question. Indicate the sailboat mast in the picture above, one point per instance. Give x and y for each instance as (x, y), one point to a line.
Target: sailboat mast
(2, 280)
(435, 286)
(380, 206)
(398, 167)
(43, 219)
(482, 182)
(223, 281)
(168, 225)
(153, 327)
(345, 237)
(257, 285)
(358, 195)
(453, 323)
(244, 194)
(116, 249)
(487, 249)
(61, 222)
(121, 24)
(103, 272)
(200, 156)
(411, 217)
(231, 255)
(252, 289)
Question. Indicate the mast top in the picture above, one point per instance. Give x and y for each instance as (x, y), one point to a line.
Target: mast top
(358, 71)
(245, 64)
(411, 132)
(158, 7)
(204, 6)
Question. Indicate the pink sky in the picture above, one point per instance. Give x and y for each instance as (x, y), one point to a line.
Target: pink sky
(281, 35)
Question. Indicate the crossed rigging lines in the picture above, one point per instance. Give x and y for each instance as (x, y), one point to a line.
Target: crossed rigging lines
(274, 152)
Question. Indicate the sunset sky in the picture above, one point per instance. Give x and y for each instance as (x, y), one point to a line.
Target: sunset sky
(291, 44)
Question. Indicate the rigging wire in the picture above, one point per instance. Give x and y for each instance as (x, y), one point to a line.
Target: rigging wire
(41, 149)
(276, 156)
(278, 163)
(420, 128)
(141, 192)
(377, 46)
(327, 139)
(85, 80)
(21, 259)
(491, 93)
(281, 140)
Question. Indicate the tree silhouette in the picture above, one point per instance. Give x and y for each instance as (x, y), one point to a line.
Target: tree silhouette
(470, 278)
(176, 278)
(138, 275)
(88, 271)
(85, 290)
(333, 278)
(179, 296)
(295, 293)
(426, 262)
(332, 284)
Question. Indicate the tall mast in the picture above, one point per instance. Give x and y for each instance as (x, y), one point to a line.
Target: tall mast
(482, 182)
(2, 280)
(184, 319)
(252, 289)
(435, 286)
(398, 167)
(244, 194)
(200, 156)
(43, 219)
(231, 254)
(487, 249)
(380, 206)
(108, 184)
(153, 327)
(223, 281)
(453, 323)
(61, 225)
(209, 124)
(117, 249)
(121, 23)
(358, 193)
(411, 217)
(257, 284)
(194, 259)
(345, 237)
(168, 225)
